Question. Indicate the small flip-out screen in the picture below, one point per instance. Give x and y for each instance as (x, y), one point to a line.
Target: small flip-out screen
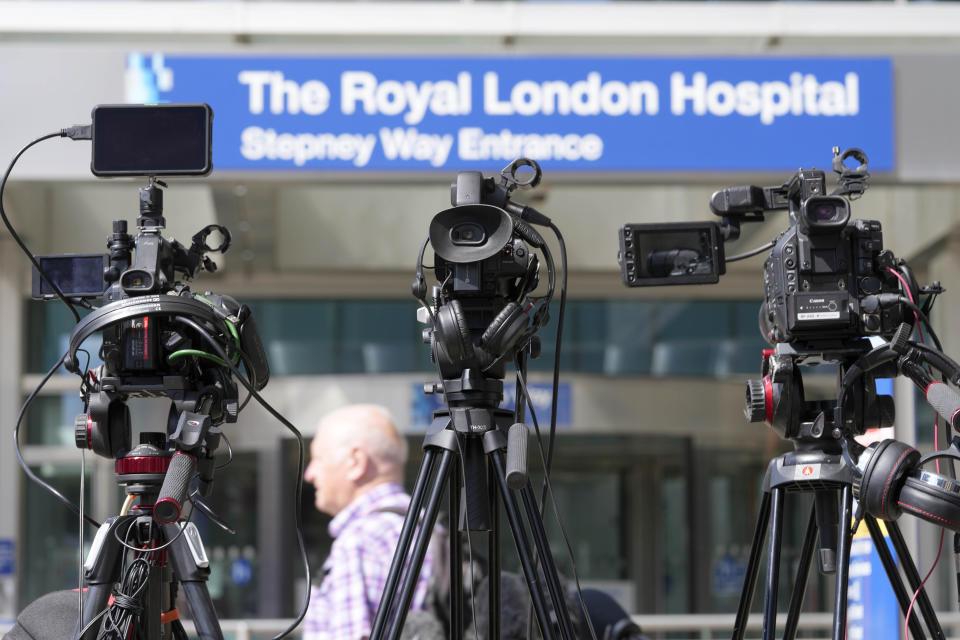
(152, 140)
(671, 253)
(77, 276)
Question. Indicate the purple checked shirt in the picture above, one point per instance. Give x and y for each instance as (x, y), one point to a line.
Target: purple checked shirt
(365, 536)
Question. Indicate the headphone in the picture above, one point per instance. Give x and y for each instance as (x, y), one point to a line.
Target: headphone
(452, 334)
(893, 482)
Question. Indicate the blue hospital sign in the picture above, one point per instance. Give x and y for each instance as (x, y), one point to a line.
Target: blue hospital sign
(579, 114)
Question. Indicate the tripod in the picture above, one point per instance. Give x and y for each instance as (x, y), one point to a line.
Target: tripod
(828, 476)
(819, 465)
(469, 439)
(171, 556)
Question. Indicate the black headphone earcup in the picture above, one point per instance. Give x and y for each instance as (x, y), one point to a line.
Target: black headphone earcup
(884, 477)
(453, 333)
(502, 334)
(931, 503)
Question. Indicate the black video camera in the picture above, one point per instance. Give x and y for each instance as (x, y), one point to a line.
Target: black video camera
(152, 325)
(485, 266)
(825, 278)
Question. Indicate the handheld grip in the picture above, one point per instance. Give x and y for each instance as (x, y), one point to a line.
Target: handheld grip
(517, 456)
(173, 492)
(945, 401)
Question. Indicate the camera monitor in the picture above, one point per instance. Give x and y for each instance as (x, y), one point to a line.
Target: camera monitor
(77, 275)
(671, 253)
(152, 140)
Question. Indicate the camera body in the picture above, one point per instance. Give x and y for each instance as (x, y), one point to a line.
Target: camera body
(485, 266)
(827, 279)
(823, 275)
(490, 278)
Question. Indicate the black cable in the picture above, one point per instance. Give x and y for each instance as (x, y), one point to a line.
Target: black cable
(16, 446)
(751, 253)
(206, 510)
(229, 451)
(298, 516)
(16, 237)
(556, 364)
(923, 318)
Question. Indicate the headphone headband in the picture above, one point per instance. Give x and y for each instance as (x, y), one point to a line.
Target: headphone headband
(154, 305)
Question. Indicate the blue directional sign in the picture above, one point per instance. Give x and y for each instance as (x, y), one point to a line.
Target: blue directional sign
(7, 558)
(241, 571)
(872, 611)
(570, 113)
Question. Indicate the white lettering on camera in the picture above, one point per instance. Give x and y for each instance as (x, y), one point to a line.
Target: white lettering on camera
(804, 95)
(285, 96)
(413, 100)
(589, 97)
(258, 144)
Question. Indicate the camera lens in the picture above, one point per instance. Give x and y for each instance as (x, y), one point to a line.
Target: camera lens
(467, 233)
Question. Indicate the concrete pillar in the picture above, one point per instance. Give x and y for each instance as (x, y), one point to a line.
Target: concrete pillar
(12, 266)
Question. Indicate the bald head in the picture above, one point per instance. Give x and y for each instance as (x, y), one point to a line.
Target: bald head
(367, 426)
(356, 448)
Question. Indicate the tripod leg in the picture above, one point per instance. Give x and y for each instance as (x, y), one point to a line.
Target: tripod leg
(409, 583)
(493, 546)
(549, 566)
(101, 571)
(753, 569)
(803, 573)
(191, 568)
(893, 575)
(455, 606)
(843, 564)
(403, 545)
(523, 550)
(913, 578)
(773, 565)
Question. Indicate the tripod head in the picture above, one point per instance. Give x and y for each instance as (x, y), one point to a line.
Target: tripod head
(778, 397)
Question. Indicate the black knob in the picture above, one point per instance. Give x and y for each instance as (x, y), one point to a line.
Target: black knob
(755, 409)
(82, 424)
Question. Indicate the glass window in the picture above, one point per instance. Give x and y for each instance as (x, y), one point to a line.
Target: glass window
(606, 337)
(50, 536)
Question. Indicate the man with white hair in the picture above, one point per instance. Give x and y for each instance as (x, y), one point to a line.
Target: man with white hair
(356, 466)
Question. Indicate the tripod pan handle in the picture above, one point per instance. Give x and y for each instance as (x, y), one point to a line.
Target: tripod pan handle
(517, 456)
(945, 401)
(173, 492)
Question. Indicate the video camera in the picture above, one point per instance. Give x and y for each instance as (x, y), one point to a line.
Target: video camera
(827, 279)
(486, 267)
(154, 330)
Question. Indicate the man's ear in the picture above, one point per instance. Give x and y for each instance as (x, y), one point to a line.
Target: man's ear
(358, 463)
